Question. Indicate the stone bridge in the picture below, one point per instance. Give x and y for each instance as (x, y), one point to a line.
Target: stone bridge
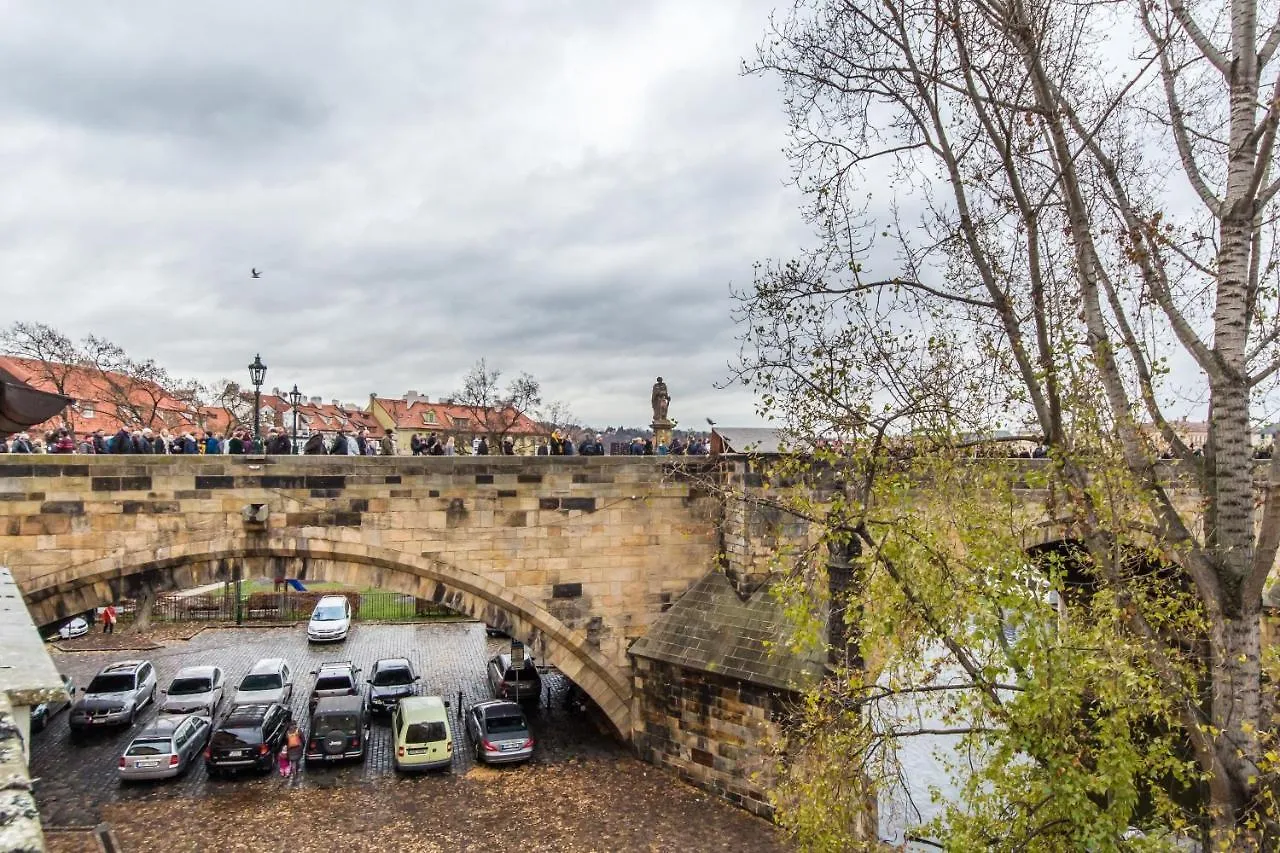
(577, 556)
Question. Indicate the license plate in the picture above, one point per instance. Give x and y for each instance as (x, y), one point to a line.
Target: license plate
(97, 721)
(236, 753)
(147, 764)
(419, 751)
(507, 747)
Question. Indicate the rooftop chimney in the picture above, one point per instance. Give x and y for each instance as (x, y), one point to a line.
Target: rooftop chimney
(275, 391)
(315, 401)
(411, 397)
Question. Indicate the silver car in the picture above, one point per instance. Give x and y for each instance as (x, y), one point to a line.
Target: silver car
(499, 732)
(269, 680)
(114, 696)
(194, 690)
(166, 748)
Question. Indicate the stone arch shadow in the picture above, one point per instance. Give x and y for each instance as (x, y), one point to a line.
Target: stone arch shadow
(184, 565)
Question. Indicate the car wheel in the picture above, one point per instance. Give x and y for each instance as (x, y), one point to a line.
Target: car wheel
(152, 698)
(133, 715)
(479, 754)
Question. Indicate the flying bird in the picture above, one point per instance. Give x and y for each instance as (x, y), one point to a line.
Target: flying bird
(254, 273)
(713, 423)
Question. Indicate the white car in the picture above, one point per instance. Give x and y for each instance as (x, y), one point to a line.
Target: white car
(77, 627)
(331, 620)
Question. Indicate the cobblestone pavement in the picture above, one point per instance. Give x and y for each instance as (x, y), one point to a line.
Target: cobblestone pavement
(75, 781)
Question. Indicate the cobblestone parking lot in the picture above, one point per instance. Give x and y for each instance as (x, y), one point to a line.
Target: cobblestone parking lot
(77, 786)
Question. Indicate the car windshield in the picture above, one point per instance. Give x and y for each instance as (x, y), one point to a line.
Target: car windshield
(524, 673)
(188, 686)
(328, 613)
(116, 683)
(333, 682)
(262, 681)
(392, 677)
(342, 721)
(425, 732)
(505, 725)
(151, 746)
(224, 738)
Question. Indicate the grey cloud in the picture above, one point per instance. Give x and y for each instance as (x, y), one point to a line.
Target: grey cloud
(567, 189)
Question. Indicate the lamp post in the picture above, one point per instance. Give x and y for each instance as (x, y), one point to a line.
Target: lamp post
(257, 372)
(295, 399)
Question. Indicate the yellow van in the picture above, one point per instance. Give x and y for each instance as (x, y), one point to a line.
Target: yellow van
(423, 736)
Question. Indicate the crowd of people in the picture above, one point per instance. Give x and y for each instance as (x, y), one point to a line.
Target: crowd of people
(346, 443)
(199, 442)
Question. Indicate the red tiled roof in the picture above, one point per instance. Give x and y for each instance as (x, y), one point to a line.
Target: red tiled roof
(158, 407)
(413, 416)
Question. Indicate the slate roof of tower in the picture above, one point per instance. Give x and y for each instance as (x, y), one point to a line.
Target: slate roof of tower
(711, 629)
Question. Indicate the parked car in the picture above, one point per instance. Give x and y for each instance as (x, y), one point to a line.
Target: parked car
(499, 732)
(114, 696)
(166, 748)
(422, 734)
(339, 730)
(390, 681)
(269, 680)
(330, 620)
(518, 683)
(334, 678)
(194, 690)
(41, 714)
(76, 627)
(247, 738)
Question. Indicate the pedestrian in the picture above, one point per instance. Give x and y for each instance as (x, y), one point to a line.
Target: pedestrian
(508, 447)
(450, 448)
(482, 448)
(100, 442)
(340, 445)
(314, 445)
(109, 619)
(415, 445)
(293, 742)
(21, 444)
(388, 445)
(283, 762)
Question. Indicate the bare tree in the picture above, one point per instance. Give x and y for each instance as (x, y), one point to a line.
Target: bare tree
(494, 410)
(1054, 229)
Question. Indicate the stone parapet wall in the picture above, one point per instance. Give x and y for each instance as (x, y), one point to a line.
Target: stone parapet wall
(709, 729)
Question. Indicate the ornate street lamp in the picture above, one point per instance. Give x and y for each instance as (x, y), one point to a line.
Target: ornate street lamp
(257, 372)
(295, 399)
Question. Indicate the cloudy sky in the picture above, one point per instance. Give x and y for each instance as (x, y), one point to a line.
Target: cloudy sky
(567, 188)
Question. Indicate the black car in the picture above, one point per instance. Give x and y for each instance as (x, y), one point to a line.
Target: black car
(42, 713)
(334, 678)
(391, 680)
(518, 683)
(339, 731)
(248, 738)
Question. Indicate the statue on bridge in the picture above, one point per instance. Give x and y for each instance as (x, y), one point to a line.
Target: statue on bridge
(660, 399)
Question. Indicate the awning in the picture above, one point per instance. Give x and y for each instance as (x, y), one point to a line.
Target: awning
(22, 406)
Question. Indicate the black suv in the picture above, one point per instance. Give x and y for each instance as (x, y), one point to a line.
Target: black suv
(517, 683)
(248, 738)
(391, 680)
(339, 730)
(334, 678)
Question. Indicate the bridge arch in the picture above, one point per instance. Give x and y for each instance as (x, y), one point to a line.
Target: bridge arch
(194, 563)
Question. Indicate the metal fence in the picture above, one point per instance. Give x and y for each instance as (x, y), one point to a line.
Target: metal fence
(289, 606)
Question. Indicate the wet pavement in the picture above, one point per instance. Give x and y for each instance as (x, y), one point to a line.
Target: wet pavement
(74, 781)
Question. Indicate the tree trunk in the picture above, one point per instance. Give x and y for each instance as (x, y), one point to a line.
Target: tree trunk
(1236, 715)
(142, 613)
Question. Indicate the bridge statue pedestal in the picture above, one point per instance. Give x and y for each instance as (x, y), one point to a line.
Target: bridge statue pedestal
(662, 432)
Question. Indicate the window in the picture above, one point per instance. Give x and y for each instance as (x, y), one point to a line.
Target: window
(502, 725)
(264, 681)
(425, 732)
(115, 683)
(429, 417)
(462, 423)
(392, 677)
(188, 686)
(149, 747)
(341, 721)
(86, 410)
(333, 682)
